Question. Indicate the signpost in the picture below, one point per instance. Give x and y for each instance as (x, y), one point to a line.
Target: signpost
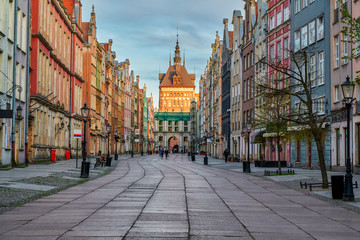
(77, 135)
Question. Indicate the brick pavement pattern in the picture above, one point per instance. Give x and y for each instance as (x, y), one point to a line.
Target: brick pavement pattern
(152, 198)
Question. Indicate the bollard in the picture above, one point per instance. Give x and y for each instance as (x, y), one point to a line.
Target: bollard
(205, 160)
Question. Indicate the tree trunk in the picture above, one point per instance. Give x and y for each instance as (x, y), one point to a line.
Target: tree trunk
(278, 154)
(320, 150)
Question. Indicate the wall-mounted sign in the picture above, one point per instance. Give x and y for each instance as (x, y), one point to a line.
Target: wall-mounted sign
(77, 133)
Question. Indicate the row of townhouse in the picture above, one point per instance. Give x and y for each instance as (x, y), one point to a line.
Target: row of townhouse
(56, 67)
(268, 33)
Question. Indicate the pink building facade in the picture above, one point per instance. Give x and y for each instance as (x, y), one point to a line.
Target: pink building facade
(278, 38)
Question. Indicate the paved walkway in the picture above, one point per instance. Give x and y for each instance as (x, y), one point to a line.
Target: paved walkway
(292, 181)
(152, 198)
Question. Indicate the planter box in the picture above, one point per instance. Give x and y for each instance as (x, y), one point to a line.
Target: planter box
(270, 163)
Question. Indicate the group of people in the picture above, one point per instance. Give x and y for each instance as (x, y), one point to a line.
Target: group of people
(163, 151)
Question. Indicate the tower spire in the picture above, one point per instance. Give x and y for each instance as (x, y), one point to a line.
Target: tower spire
(177, 58)
(184, 58)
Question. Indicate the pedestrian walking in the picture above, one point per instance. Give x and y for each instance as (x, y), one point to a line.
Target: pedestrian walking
(226, 154)
(161, 152)
(166, 152)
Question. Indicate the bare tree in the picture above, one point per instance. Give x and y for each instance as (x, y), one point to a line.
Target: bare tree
(304, 116)
(271, 114)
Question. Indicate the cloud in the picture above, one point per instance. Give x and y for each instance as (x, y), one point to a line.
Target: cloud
(145, 32)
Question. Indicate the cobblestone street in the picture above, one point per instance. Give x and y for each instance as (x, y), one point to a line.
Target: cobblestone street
(152, 198)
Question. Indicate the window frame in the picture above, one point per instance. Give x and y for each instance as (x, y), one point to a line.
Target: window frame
(321, 68)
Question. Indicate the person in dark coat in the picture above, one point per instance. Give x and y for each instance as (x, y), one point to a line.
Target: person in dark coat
(226, 154)
(166, 153)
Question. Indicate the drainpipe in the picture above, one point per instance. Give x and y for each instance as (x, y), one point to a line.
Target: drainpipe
(27, 88)
(13, 162)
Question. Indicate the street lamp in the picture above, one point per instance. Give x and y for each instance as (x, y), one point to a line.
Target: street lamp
(132, 143)
(19, 113)
(117, 137)
(85, 166)
(142, 145)
(206, 158)
(192, 148)
(108, 159)
(246, 165)
(348, 92)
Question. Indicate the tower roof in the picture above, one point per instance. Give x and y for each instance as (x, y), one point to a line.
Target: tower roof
(177, 58)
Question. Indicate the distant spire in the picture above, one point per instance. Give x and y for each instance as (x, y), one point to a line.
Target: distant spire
(177, 58)
(169, 59)
(93, 8)
(184, 58)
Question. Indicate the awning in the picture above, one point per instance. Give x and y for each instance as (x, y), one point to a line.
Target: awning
(258, 137)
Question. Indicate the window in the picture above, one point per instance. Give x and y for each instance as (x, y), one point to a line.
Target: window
(345, 49)
(286, 48)
(320, 28)
(313, 70)
(321, 68)
(272, 23)
(304, 3)
(278, 19)
(160, 138)
(297, 40)
(304, 36)
(286, 13)
(278, 50)
(312, 32)
(297, 5)
(337, 51)
(321, 105)
(337, 93)
(244, 90)
(272, 53)
(337, 4)
(314, 107)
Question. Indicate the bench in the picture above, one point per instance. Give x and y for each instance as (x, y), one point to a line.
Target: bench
(101, 160)
(311, 185)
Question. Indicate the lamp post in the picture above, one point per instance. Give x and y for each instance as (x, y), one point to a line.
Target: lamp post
(85, 166)
(108, 159)
(206, 157)
(132, 143)
(192, 148)
(116, 136)
(348, 91)
(246, 165)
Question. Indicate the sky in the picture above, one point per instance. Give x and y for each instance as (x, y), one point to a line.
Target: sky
(144, 31)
